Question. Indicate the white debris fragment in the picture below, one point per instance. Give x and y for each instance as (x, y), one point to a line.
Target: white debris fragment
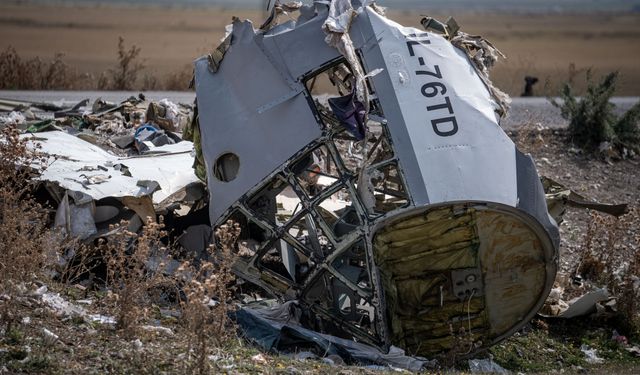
(172, 110)
(635, 350)
(591, 355)
(158, 329)
(485, 366)
(137, 344)
(65, 309)
(171, 172)
(555, 295)
(50, 338)
(585, 304)
(61, 307)
(15, 118)
(259, 358)
(102, 319)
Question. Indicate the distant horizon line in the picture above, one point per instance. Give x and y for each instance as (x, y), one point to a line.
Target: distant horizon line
(473, 6)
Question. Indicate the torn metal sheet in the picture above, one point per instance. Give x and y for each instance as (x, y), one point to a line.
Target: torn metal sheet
(277, 329)
(577, 307)
(426, 225)
(78, 165)
(76, 219)
(559, 197)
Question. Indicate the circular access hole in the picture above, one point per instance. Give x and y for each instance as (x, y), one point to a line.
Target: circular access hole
(226, 167)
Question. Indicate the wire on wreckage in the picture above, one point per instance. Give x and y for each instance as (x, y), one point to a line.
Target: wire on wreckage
(469, 319)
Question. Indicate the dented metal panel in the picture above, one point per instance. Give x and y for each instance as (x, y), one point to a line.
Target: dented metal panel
(248, 109)
(449, 115)
(77, 165)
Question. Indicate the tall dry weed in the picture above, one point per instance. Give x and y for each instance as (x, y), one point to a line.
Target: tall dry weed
(129, 73)
(207, 289)
(130, 280)
(611, 258)
(25, 240)
(126, 73)
(37, 74)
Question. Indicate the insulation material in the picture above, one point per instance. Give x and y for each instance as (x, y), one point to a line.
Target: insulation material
(416, 257)
(483, 55)
(427, 259)
(513, 262)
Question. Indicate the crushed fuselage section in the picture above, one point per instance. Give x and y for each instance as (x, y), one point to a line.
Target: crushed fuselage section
(399, 220)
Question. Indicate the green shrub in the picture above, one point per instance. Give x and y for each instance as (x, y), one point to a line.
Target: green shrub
(592, 118)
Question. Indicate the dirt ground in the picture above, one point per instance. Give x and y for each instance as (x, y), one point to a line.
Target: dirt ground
(546, 345)
(593, 177)
(542, 45)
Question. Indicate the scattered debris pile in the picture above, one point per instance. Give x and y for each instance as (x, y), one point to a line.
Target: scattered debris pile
(112, 162)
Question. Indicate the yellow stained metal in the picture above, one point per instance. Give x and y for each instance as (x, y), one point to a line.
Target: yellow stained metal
(514, 269)
(416, 255)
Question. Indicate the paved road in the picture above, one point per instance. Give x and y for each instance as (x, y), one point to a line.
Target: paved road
(527, 110)
(112, 96)
(523, 110)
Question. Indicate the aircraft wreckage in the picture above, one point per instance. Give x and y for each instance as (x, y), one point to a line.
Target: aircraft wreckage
(367, 168)
(378, 198)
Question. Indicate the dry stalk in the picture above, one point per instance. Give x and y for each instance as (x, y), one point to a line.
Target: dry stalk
(25, 240)
(463, 345)
(611, 258)
(125, 74)
(126, 255)
(529, 137)
(206, 307)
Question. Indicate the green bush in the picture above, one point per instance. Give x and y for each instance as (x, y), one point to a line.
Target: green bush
(592, 118)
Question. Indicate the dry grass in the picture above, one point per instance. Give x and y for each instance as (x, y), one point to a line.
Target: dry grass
(178, 80)
(464, 344)
(207, 302)
(611, 258)
(541, 45)
(128, 73)
(130, 281)
(529, 137)
(131, 292)
(38, 74)
(25, 240)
